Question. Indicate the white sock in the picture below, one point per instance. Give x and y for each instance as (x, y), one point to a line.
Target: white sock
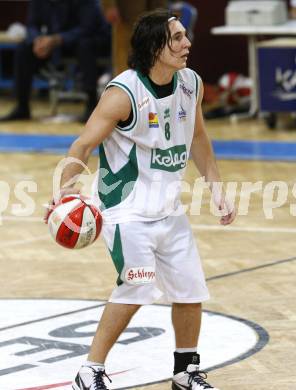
(96, 365)
(184, 350)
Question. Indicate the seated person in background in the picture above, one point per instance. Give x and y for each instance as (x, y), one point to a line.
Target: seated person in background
(122, 15)
(58, 28)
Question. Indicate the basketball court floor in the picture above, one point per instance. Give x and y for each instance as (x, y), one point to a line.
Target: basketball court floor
(51, 298)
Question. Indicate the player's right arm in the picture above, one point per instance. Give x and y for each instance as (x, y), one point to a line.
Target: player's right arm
(114, 106)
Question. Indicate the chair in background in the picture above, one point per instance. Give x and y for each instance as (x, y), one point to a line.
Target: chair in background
(65, 83)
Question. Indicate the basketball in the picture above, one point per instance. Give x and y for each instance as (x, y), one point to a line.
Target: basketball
(75, 222)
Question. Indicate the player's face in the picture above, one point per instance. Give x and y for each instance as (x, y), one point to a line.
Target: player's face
(176, 51)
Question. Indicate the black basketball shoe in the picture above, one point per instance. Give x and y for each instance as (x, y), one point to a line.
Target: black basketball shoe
(89, 378)
(191, 379)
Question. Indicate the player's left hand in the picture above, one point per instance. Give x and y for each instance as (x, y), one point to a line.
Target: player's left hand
(226, 208)
(229, 212)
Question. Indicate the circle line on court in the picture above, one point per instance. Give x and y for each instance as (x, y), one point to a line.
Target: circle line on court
(261, 339)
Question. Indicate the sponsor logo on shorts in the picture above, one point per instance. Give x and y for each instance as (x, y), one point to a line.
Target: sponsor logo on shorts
(153, 120)
(188, 92)
(140, 275)
(171, 159)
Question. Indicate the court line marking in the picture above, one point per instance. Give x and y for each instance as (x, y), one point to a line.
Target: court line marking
(263, 339)
(45, 387)
(54, 386)
(53, 316)
(21, 218)
(24, 241)
(277, 262)
(224, 149)
(247, 229)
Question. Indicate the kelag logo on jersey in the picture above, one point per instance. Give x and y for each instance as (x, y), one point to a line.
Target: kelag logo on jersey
(153, 120)
(171, 159)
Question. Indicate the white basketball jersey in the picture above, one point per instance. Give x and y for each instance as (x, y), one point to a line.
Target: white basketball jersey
(142, 164)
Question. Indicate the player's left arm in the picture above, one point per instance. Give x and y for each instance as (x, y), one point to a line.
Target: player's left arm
(203, 156)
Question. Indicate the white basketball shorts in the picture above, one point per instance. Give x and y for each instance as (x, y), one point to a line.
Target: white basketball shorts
(155, 259)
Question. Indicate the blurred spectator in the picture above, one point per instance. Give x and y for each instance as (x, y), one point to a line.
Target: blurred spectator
(57, 29)
(293, 9)
(122, 15)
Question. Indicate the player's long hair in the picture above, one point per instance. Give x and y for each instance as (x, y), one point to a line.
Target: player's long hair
(150, 35)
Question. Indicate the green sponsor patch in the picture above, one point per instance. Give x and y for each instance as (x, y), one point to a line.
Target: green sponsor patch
(167, 113)
(172, 159)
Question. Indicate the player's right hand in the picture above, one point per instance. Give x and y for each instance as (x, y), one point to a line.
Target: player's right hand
(54, 201)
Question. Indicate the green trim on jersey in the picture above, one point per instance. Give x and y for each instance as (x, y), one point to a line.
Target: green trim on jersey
(147, 84)
(117, 254)
(134, 106)
(117, 186)
(196, 84)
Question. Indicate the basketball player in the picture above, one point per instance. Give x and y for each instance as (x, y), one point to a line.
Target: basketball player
(147, 122)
